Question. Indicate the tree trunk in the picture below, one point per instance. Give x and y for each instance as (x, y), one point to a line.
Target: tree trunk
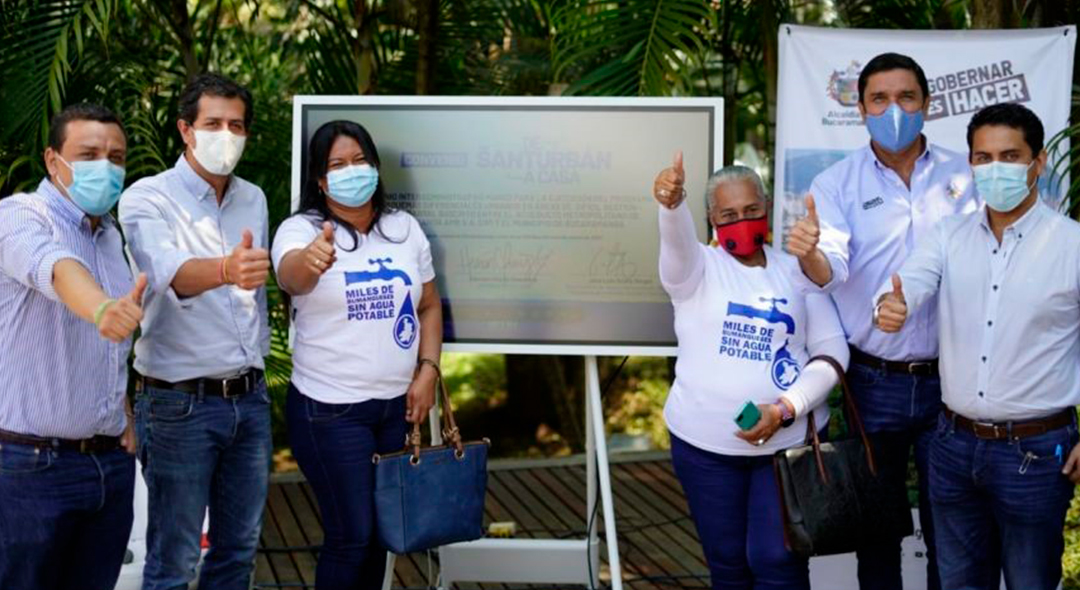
(771, 51)
(993, 14)
(546, 390)
(181, 22)
(427, 26)
(363, 54)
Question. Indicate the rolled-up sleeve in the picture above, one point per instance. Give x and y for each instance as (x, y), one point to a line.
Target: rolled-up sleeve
(28, 248)
(150, 241)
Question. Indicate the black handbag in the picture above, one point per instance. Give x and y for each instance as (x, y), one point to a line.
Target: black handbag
(431, 496)
(832, 495)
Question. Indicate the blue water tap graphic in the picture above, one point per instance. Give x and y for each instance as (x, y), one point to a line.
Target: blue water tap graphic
(771, 314)
(386, 274)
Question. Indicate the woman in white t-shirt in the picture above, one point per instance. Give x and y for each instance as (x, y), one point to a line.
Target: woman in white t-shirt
(745, 333)
(368, 323)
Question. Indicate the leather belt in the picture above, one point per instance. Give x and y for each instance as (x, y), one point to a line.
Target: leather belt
(1011, 430)
(227, 388)
(96, 444)
(921, 368)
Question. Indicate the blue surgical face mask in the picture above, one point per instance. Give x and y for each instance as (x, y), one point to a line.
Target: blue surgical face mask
(1002, 185)
(353, 186)
(95, 185)
(895, 129)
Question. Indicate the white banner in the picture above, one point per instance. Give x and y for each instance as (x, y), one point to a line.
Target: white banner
(818, 122)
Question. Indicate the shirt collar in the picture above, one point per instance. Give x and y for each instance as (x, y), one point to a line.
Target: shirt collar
(67, 209)
(1023, 225)
(196, 185)
(923, 157)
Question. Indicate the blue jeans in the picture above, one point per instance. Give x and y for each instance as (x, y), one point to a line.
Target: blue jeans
(65, 518)
(334, 443)
(735, 505)
(899, 412)
(203, 452)
(999, 497)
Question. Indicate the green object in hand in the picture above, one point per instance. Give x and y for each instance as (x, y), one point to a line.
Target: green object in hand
(748, 416)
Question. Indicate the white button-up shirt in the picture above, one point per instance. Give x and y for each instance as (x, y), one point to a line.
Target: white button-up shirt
(174, 217)
(1010, 312)
(870, 223)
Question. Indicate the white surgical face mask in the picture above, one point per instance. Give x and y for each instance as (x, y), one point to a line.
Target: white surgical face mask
(218, 151)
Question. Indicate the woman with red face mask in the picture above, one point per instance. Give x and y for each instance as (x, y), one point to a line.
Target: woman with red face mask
(744, 384)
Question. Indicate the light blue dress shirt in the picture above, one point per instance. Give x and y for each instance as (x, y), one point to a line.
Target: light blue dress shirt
(174, 217)
(870, 224)
(58, 377)
(1010, 312)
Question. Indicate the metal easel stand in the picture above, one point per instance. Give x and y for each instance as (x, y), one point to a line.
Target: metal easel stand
(544, 561)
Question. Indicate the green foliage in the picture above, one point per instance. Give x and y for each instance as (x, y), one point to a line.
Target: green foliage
(639, 47)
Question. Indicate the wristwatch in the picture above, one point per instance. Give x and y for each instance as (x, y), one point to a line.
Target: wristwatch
(786, 417)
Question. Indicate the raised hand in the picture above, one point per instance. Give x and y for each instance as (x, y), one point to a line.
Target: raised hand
(892, 308)
(803, 239)
(122, 317)
(320, 254)
(247, 267)
(668, 186)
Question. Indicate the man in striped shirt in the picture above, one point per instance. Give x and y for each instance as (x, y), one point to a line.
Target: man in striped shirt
(68, 306)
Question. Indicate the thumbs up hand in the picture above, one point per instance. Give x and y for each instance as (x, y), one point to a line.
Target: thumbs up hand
(320, 254)
(891, 312)
(668, 186)
(803, 239)
(247, 267)
(122, 316)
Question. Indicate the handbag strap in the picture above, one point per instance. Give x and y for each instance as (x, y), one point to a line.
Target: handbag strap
(852, 413)
(450, 432)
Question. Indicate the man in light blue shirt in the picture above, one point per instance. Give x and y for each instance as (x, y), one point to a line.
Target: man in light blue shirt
(1006, 284)
(865, 215)
(67, 308)
(203, 413)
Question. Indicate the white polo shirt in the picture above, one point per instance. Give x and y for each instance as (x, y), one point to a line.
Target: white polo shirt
(870, 224)
(358, 331)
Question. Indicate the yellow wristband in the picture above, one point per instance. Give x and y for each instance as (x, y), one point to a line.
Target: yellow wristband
(101, 310)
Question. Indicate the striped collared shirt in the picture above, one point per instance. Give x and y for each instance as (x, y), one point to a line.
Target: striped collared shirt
(58, 376)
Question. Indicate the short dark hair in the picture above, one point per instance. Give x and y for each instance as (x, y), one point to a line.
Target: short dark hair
(83, 111)
(211, 84)
(312, 198)
(892, 61)
(1010, 114)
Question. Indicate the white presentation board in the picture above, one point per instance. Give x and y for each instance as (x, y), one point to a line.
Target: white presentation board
(539, 210)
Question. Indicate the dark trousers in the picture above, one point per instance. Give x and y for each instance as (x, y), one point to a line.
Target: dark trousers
(735, 505)
(1004, 498)
(65, 518)
(334, 443)
(899, 412)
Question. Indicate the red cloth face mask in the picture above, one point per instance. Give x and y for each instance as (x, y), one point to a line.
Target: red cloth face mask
(743, 237)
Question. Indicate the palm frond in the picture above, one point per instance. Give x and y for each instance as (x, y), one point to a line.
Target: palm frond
(42, 41)
(632, 47)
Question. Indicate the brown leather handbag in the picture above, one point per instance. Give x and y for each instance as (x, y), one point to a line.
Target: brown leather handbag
(833, 497)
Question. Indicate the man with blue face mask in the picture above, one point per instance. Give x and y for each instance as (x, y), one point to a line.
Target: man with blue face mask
(865, 215)
(1006, 284)
(68, 305)
(200, 233)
